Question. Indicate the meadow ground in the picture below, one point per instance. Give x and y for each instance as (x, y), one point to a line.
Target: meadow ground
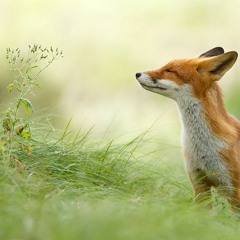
(77, 187)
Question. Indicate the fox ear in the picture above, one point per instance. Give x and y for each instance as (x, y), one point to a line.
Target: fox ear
(213, 52)
(215, 67)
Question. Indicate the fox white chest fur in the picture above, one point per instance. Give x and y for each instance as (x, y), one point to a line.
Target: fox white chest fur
(202, 149)
(211, 136)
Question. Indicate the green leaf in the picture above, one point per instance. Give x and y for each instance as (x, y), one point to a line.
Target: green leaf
(7, 124)
(30, 68)
(34, 67)
(26, 134)
(27, 105)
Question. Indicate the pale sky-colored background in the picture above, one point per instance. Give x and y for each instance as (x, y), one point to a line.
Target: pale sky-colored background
(105, 42)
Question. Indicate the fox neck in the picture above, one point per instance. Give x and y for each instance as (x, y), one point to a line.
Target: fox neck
(208, 110)
(204, 124)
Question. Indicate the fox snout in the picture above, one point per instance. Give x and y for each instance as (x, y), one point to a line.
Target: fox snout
(144, 79)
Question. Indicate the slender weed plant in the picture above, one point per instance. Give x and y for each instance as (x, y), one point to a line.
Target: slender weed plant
(16, 120)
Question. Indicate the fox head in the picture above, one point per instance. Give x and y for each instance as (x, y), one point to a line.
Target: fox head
(183, 77)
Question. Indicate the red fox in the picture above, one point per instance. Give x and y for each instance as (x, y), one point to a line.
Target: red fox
(211, 136)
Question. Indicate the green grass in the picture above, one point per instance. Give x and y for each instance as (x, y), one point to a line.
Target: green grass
(77, 188)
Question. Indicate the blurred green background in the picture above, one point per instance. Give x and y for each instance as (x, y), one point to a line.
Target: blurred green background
(105, 42)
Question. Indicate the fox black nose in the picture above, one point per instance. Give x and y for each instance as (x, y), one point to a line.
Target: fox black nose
(138, 75)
